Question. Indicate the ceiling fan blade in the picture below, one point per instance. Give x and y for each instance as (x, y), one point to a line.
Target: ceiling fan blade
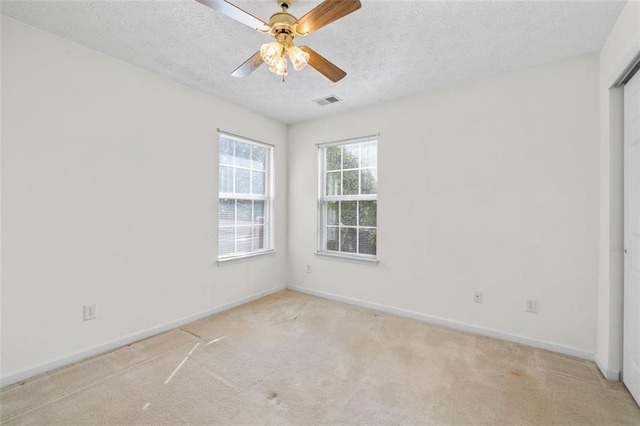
(249, 66)
(325, 13)
(323, 66)
(236, 13)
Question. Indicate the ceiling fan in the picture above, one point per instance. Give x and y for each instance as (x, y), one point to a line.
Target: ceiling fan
(284, 27)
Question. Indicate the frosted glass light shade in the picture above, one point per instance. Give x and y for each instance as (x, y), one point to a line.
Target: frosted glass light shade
(280, 66)
(271, 52)
(299, 58)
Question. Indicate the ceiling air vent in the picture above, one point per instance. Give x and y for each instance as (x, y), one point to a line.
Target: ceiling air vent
(331, 99)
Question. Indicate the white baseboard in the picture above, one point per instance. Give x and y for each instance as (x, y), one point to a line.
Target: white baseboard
(608, 374)
(451, 324)
(106, 347)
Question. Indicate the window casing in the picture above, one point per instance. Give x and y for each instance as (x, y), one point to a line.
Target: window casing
(245, 196)
(348, 198)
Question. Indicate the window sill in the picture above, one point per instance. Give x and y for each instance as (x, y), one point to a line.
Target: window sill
(244, 257)
(348, 258)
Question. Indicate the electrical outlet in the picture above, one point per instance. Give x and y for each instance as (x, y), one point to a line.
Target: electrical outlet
(89, 312)
(477, 296)
(532, 306)
(308, 269)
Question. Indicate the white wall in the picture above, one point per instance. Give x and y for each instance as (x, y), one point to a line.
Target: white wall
(109, 198)
(490, 186)
(621, 46)
(110, 187)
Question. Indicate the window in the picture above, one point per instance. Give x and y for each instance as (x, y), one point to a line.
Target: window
(245, 197)
(348, 201)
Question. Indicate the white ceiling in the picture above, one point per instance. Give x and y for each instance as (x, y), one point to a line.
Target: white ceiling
(389, 48)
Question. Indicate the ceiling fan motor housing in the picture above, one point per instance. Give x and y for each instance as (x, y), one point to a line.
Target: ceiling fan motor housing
(282, 23)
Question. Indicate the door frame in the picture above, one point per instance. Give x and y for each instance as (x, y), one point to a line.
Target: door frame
(631, 188)
(611, 280)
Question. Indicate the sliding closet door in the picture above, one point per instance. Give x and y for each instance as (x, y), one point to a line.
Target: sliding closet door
(631, 353)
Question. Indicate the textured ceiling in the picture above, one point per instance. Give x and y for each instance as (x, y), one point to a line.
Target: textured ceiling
(389, 48)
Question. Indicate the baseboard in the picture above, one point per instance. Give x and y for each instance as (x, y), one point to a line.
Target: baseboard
(579, 353)
(613, 375)
(131, 338)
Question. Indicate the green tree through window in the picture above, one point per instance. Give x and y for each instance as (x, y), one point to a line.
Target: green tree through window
(348, 199)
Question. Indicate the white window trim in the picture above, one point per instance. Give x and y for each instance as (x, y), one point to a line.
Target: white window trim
(322, 177)
(269, 227)
(244, 257)
(363, 258)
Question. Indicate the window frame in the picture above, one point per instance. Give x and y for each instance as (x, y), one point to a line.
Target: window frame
(324, 198)
(267, 197)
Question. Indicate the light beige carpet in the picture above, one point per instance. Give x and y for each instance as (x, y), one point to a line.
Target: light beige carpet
(293, 359)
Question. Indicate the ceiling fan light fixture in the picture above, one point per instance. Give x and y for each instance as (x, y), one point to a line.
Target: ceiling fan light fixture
(284, 27)
(299, 58)
(271, 52)
(280, 66)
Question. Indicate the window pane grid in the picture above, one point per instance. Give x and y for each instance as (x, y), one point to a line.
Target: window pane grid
(244, 231)
(244, 198)
(350, 230)
(349, 198)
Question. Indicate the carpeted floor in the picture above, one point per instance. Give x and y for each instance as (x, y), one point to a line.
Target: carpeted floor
(293, 359)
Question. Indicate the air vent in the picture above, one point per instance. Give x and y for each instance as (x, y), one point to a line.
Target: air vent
(331, 99)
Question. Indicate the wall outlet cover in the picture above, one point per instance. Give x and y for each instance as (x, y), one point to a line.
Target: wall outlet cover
(532, 306)
(90, 312)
